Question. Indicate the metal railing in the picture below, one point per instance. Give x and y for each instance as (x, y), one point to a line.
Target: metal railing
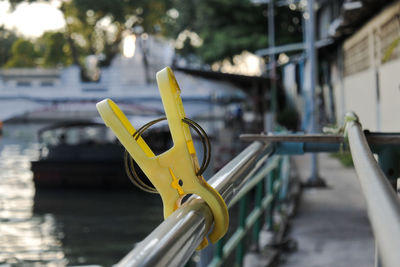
(175, 240)
(382, 202)
(248, 220)
(377, 179)
(260, 171)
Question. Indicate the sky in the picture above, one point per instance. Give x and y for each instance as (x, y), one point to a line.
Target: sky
(31, 20)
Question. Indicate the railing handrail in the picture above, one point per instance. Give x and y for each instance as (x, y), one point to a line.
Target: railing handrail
(382, 203)
(173, 242)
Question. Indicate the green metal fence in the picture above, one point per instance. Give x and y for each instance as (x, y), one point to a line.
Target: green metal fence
(253, 178)
(268, 179)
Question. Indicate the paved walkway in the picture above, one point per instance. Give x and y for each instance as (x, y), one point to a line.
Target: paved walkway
(331, 225)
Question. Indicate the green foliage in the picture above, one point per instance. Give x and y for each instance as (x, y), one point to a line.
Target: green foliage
(228, 27)
(7, 38)
(345, 158)
(87, 34)
(95, 27)
(50, 50)
(389, 51)
(23, 54)
(54, 49)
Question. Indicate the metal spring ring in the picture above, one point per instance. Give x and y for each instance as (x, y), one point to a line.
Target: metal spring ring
(129, 163)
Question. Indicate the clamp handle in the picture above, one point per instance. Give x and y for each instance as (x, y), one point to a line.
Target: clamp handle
(173, 173)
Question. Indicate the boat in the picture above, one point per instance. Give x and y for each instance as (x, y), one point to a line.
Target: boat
(85, 154)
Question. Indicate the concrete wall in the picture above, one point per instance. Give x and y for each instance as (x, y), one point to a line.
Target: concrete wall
(360, 97)
(376, 102)
(389, 76)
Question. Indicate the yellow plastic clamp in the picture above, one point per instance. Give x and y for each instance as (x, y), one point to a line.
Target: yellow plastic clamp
(173, 173)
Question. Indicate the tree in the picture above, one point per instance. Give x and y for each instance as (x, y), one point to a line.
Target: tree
(97, 26)
(7, 38)
(54, 49)
(227, 27)
(212, 30)
(23, 54)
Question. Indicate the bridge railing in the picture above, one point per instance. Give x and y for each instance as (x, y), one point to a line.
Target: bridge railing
(175, 240)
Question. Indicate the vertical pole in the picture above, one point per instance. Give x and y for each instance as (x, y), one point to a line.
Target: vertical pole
(378, 100)
(342, 113)
(269, 119)
(377, 258)
(314, 179)
(398, 187)
(283, 178)
(271, 42)
(257, 225)
(242, 224)
(312, 61)
(220, 248)
(211, 253)
(312, 70)
(270, 210)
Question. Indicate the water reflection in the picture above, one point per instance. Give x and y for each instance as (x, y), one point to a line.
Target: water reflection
(100, 227)
(59, 228)
(24, 237)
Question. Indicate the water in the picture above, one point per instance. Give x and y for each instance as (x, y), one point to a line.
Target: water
(60, 228)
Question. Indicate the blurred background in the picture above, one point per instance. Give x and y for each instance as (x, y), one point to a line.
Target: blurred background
(244, 66)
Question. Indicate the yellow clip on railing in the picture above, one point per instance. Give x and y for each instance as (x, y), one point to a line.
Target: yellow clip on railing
(173, 173)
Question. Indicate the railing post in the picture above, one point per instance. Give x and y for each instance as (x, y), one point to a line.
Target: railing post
(378, 262)
(219, 253)
(388, 161)
(270, 210)
(277, 202)
(242, 225)
(219, 249)
(257, 225)
(285, 174)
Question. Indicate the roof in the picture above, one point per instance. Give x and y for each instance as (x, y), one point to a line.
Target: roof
(14, 73)
(354, 14)
(243, 81)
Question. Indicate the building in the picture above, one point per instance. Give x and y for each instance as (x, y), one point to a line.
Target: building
(370, 82)
(358, 48)
(38, 94)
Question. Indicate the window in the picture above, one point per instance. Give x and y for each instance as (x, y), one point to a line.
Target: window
(23, 83)
(356, 57)
(47, 83)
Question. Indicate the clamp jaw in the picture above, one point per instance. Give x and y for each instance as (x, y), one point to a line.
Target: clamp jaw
(173, 173)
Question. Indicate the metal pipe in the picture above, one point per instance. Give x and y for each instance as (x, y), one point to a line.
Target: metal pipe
(314, 178)
(310, 26)
(382, 203)
(173, 242)
(272, 65)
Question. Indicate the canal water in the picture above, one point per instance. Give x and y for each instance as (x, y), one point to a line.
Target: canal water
(60, 228)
